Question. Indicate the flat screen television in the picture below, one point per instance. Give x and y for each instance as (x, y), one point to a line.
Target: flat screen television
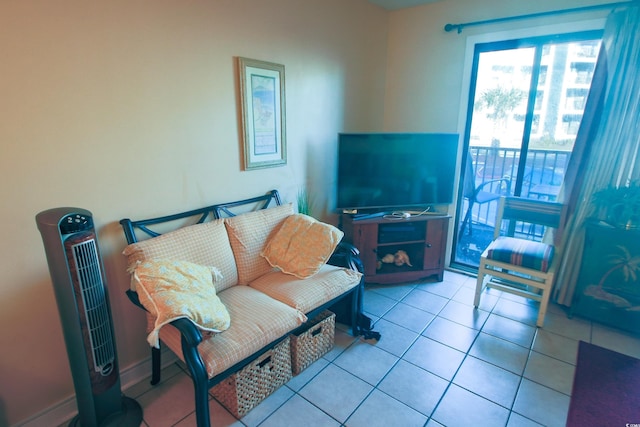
(389, 171)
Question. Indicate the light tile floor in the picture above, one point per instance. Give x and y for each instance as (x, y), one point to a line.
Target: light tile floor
(440, 362)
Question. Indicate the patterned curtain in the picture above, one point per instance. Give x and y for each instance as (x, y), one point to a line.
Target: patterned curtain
(606, 151)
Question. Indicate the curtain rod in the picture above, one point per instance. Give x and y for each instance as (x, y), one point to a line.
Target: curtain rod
(459, 27)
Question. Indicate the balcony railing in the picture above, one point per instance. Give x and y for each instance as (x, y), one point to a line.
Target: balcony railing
(542, 177)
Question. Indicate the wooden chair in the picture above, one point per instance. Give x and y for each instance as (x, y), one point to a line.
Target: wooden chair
(515, 262)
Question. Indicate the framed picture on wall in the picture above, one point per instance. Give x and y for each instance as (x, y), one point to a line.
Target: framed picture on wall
(262, 102)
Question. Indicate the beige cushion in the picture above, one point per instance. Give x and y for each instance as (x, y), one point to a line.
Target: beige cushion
(307, 294)
(257, 320)
(301, 245)
(248, 233)
(171, 290)
(205, 244)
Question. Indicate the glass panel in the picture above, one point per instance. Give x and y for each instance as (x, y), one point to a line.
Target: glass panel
(500, 101)
(570, 69)
(497, 125)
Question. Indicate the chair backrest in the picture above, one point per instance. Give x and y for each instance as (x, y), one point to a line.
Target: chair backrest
(469, 184)
(532, 212)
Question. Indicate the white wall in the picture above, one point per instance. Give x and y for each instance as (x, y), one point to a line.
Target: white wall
(129, 109)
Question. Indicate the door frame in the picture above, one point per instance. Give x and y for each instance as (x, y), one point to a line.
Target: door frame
(512, 39)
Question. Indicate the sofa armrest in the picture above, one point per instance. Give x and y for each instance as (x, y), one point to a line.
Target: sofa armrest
(348, 256)
(191, 337)
(187, 329)
(189, 332)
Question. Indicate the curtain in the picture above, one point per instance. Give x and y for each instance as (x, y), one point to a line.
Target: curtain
(608, 141)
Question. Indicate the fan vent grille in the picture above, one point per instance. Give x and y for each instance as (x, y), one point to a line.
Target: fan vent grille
(89, 276)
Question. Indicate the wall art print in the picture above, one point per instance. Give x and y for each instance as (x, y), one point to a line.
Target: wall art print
(262, 99)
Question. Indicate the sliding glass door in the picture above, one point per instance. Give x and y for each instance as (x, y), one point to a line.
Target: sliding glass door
(526, 102)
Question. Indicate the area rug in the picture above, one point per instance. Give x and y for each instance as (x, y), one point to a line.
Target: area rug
(606, 388)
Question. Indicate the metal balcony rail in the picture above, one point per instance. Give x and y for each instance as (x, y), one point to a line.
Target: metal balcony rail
(543, 175)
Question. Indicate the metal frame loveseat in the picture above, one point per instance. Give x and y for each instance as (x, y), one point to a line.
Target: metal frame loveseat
(341, 289)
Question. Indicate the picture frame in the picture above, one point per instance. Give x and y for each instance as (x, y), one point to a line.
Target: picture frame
(262, 101)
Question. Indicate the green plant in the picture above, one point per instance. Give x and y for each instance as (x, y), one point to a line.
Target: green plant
(619, 206)
(499, 101)
(303, 202)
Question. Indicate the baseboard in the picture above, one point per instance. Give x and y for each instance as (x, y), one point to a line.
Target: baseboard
(62, 412)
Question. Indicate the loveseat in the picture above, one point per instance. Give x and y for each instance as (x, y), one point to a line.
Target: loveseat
(260, 272)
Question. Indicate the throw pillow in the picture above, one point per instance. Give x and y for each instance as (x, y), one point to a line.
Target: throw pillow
(203, 244)
(171, 290)
(248, 233)
(301, 246)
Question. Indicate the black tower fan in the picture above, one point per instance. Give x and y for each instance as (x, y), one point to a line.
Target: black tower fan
(83, 302)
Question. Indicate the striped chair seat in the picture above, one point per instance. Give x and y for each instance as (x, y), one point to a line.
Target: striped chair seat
(520, 252)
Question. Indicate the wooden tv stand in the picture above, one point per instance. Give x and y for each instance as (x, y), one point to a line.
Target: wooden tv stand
(423, 238)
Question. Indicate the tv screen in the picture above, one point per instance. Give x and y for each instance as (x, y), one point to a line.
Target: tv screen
(395, 170)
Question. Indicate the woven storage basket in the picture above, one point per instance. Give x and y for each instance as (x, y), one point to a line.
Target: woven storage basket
(245, 389)
(312, 344)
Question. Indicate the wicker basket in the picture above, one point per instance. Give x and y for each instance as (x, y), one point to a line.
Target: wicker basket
(245, 389)
(313, 343)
